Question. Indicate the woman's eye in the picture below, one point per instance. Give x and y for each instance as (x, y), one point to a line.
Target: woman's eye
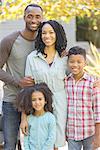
(43, 33)
(51, 32)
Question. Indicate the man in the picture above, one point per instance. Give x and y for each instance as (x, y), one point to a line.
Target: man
(13, 52)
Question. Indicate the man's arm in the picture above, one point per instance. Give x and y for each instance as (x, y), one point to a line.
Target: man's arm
(7, 78)
(4, 55)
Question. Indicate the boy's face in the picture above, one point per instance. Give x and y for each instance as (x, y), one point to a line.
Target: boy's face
(76, 64)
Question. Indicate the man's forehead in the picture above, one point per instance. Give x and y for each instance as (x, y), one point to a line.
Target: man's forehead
(34, 9)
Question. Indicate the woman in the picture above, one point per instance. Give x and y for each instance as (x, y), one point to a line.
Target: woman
(45, 64)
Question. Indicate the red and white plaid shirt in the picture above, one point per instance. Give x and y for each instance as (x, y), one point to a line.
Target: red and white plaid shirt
(83, 107)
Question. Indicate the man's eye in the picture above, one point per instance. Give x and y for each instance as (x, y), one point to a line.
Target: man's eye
(29, 16)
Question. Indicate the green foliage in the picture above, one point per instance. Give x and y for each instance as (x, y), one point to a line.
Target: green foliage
(88, 29)
(93, 58)
(53, 9)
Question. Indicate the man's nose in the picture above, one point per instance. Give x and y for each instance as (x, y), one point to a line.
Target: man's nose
(34, 20)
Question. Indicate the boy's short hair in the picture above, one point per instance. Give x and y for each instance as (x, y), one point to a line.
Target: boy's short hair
(76, 50)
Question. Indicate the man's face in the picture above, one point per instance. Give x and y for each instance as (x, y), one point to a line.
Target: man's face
(33, 17)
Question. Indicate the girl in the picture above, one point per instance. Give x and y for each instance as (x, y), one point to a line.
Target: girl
(36, 102)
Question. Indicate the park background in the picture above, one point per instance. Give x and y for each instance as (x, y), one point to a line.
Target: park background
(80, 18)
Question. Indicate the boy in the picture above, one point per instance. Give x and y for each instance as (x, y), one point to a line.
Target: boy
(83, 119)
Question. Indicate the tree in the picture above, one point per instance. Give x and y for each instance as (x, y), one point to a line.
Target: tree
(53, 9)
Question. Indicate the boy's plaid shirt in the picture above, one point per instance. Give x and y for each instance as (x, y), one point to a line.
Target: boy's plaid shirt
(83, 107)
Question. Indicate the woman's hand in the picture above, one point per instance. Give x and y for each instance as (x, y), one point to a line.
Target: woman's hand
(97, 83)
(64, 53)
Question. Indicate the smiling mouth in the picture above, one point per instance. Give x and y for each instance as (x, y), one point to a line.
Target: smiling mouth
(34, 26)
(47, 41)
(74, 69)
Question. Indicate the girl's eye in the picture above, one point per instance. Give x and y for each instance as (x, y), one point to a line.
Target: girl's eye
(79, 62)
(40, 99)
(33, 100)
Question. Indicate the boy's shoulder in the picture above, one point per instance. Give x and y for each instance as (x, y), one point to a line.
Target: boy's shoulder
(90, 77)
(86, 76)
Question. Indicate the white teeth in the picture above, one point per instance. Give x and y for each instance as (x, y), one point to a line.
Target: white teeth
(74, 69)
(33, 25)
(47, 40)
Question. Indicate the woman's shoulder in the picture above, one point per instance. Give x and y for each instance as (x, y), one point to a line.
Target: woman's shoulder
(33, 54)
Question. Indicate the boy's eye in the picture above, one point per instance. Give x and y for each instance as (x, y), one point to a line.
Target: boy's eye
(38, 16)
(71, 61)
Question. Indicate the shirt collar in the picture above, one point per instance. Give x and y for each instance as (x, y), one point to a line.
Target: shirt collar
(85, 76)
(41, 56)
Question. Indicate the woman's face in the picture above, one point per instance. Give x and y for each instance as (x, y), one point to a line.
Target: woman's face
(48, 35)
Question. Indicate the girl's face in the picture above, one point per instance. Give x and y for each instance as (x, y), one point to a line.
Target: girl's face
(48, 35)
(38, 101)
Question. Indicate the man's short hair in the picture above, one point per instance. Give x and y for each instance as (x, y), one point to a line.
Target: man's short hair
(32, 5)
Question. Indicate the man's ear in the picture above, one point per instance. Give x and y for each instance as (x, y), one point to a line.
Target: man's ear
(24, 17)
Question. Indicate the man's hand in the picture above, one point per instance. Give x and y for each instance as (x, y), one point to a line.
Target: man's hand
(26, 81)
(24, 124)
